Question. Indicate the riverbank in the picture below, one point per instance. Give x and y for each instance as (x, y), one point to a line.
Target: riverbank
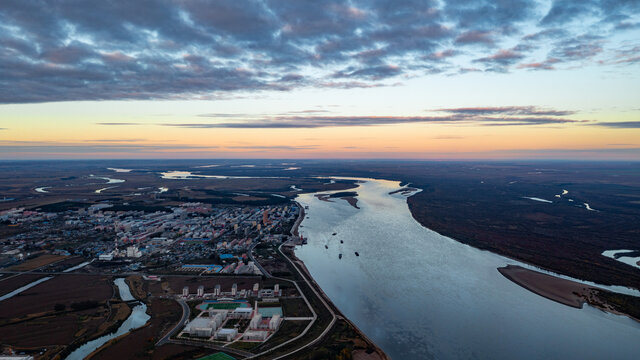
(372, 348)
(483, 206)
(566, 292)
(571, 293)
(136, 319)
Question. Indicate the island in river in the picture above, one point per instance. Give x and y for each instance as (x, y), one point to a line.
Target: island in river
(349, 196)
(572, 293)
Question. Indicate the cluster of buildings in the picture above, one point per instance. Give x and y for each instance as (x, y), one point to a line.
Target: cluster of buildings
(130, 239)
(234, 293)
(18, 216)
(236, 268)
(230, 324)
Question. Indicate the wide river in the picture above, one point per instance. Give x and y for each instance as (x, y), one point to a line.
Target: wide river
(421, 295)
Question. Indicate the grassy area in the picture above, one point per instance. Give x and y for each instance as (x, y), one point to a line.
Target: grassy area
(242, 323)
(626, 304)
(244, 345)
(193, 306)
(324, 316)
(37, 262)
(288, 330)
(323, 320)
(295, 307)
(137, 286)
(264, 304)
(140, 343)
(340, 343)
(217, 356)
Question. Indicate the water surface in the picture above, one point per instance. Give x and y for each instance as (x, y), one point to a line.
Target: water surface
(420, 295)
(137, 319)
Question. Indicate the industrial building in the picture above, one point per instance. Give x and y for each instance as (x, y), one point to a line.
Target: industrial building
(255, 335)
(201, 327)
(226, 334)
(274, 323)
(255, 321)
(241, 313)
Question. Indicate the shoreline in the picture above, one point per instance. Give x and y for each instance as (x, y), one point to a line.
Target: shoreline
(567, 292)
(339, 314)
(571, 293)
(563, 291)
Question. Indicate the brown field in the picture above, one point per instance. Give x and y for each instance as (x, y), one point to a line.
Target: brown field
(179, 352)
(247, 198)
(63, 289)
(287, 331)
(295, 307)
(60, 329)
(68, 262)
(38, 262)
(28, 321)
(10, 282)
(139, 344)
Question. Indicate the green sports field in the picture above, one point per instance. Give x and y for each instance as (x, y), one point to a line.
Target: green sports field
(218, 356)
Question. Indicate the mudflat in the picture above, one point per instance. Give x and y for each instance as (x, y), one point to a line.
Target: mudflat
(564, 291)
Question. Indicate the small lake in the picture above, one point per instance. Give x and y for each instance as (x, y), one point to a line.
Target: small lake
(108, 179)
(188, 175)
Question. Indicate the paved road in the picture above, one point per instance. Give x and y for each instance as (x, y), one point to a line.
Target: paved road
(213, 346)
(315, 316)
(264, 271)
(185, 316)
(333, 315)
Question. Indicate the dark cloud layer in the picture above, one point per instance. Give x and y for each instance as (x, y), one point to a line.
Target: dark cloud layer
(621, 124)
(489, 116)
(36, 147)
(194, 49)
(508, 110)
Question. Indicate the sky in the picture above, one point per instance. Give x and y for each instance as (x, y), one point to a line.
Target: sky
(504, 79)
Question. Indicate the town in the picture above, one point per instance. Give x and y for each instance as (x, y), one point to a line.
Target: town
(191, 237)
(184, 280)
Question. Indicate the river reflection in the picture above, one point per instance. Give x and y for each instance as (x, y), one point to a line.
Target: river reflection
(420, 295)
